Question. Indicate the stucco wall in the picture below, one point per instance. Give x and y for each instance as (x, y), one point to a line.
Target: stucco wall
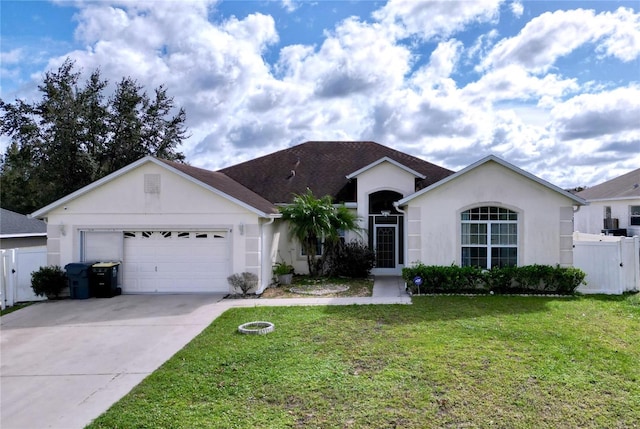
(123, 204)
(544, 217)
(382, 177)
(589, 219)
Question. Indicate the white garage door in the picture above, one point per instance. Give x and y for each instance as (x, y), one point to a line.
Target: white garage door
(175, 262)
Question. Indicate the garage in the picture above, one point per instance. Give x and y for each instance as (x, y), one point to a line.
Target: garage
(174, 228)
(175, 262)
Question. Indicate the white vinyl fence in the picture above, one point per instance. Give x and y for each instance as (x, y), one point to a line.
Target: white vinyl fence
(612, 264)
(15, 274)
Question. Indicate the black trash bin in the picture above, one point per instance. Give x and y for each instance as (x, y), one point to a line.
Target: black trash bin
(78, 274)
(104, 279)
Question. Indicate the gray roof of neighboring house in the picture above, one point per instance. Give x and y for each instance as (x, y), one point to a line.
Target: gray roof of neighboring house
(14, 224)
(622, 187)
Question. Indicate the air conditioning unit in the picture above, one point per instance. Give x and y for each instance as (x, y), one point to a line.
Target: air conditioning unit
(611, 223)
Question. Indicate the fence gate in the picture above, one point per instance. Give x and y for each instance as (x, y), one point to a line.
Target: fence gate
(15, 273)
(612, 266)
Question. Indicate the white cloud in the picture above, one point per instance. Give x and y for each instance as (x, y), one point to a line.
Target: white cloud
(517, 8)
(513, 82)
(623, 29)
(556, 34)
(359, 81)
(590, 116)
(355, 59)
(290, 5)
(256, 30)
(435, 19)
(11, 57)
(444, 58)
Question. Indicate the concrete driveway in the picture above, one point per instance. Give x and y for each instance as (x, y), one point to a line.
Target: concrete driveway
(63, 363)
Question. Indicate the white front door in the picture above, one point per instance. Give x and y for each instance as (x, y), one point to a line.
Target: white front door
(175, 262)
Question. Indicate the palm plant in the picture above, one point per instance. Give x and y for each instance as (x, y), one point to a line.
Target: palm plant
(312, 219)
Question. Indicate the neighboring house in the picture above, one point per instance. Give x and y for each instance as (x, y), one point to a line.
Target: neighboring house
(613, 207)
(22, 251)
(18, 231)
(181, 229)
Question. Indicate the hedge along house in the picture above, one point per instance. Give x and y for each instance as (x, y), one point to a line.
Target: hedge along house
(181, 229)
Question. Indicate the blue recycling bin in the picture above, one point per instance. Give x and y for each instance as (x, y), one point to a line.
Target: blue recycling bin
(79, 274)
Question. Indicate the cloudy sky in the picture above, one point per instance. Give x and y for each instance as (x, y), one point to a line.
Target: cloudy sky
(550, 86)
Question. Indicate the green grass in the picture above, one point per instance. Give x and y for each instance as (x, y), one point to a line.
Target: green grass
(14, 307)
(443, 362)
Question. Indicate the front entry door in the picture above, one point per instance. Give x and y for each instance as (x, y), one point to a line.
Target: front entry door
(386, 246)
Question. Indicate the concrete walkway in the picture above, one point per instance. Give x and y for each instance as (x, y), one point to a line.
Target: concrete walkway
(63, 363)
(389, 286)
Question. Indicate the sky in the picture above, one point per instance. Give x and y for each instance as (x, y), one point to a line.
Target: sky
(552, 87)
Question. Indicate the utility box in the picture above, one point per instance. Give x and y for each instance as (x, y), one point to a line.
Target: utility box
(78, 274)
(104, 279)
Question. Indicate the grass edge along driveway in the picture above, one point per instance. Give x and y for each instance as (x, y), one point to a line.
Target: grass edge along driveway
(445, 361)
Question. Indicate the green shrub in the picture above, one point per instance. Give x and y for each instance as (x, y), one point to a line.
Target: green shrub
(282, 268)
(48, 281)
(536, 279)
(353, 259)
(444, 279)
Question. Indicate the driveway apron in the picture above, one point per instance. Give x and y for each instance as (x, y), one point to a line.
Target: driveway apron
(63, 363)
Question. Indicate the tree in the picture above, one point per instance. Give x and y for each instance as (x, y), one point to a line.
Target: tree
(74, 135)
(314, 219)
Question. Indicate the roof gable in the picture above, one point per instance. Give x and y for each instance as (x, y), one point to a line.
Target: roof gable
(626, 186)
(323, 167)
(223, 185)
(380, 161)
(493, 158)
(215, 182)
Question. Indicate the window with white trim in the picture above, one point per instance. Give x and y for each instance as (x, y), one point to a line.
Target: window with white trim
(634, 215)
(489, 237)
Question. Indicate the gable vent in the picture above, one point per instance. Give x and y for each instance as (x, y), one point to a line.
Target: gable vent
(151, 183)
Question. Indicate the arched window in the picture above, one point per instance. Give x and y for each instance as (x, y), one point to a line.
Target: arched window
(489, 237)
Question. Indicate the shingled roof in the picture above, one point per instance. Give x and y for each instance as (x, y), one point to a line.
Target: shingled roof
(322, 166)
(14, 224)
(625, 186)
(224, 184)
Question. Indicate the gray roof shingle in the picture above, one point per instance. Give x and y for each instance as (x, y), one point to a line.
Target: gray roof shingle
(12, 223)
(625, 186)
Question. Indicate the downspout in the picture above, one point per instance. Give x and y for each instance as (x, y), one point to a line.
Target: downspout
(405, 240)
(272, 219)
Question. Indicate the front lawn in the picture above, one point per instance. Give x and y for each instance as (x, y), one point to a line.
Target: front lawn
(443, 362)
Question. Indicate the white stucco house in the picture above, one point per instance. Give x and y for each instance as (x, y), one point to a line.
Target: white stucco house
(181, 229)
(613, 207)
